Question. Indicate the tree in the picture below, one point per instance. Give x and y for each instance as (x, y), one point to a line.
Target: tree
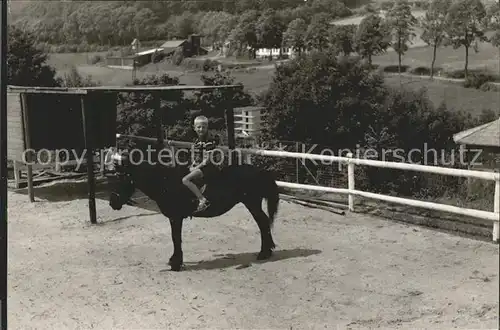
(317, 32)
(245, 34)
(333, 8)
(213, 103)
(135, 111)
(118, 22)
(372, 37)
(294, 36)
(246, 5)
(466, 26)
(320, 99)
(401, 22)
(433, 25)
(26, 65)
(184, 25)
(269, 30)
(494, 19)
(144, 22)
(215, 27)
(340, 103)
(342, 38)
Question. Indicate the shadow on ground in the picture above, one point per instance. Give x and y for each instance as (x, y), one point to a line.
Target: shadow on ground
(66, 190)
(244, 260)
(124, 218)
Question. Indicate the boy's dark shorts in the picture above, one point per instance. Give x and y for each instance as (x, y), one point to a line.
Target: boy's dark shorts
(209, 171)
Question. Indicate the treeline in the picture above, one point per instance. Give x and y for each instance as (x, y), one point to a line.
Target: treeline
(119, 22)
(461, 24)
(253, 24)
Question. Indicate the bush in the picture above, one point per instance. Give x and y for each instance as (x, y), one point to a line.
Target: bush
(200, 65)
(489, 87)
(460, 74)
(178, 57)
(368, 9)
(422, 5)
(386, 5)
(74, 79)
(395, 69)
(135, 111)
(210, 65)
(95, 59)
(476, 80)
(455, 74)
(424, 71)
(27, 64)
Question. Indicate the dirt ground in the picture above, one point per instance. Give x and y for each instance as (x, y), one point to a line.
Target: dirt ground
(329, 271)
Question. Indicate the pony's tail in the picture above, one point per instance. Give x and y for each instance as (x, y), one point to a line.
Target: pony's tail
(273, 197)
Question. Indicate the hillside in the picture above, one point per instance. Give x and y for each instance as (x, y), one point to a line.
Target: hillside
(117, 23)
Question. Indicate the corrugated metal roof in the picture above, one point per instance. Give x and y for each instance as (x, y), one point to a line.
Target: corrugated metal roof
(149, 51)
(487, 135)
(172, 43)
(249, 108)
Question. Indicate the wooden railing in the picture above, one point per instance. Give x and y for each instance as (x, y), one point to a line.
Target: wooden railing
(351, 191)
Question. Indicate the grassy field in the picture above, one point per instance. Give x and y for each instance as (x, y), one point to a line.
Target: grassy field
(447, 58)
(453, 95)
(63, 61)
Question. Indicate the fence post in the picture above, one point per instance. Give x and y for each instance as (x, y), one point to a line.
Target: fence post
(297, 163)
(496, 209)
(248, 158)
(350, 181)
(57, 161)
(102, 162)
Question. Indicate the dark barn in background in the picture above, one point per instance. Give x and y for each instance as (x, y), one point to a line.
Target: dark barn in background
(190, 47)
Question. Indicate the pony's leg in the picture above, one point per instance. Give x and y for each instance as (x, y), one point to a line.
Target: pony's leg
(267, 243)
(176, 260)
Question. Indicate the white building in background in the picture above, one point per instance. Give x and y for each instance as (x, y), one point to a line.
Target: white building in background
(266, 52)
(261, 52)
(247, 121)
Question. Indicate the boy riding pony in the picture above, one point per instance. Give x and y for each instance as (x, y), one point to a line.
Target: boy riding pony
(203, 165)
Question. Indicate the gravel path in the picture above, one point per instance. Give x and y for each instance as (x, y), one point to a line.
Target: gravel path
(329, 271)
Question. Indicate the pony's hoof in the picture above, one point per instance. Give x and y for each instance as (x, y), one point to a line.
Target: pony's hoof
(264, 255)
(175, 268)
(172, 261)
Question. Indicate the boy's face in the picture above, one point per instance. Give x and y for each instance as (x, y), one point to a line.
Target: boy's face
(201, 128)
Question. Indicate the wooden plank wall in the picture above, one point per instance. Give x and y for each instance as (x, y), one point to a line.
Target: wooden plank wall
(15, 138)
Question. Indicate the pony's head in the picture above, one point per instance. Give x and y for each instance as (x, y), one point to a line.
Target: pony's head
(121, 181)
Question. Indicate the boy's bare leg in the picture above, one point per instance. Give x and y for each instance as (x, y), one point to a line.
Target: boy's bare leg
(197, 173)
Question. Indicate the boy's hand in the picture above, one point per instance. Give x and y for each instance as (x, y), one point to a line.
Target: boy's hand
(195, 167)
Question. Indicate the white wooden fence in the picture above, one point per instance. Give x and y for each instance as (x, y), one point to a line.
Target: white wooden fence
(351, 191)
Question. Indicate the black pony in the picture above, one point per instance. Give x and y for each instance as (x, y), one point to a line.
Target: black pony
(234, 184)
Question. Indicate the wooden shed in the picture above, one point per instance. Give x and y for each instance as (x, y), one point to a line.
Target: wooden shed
(82, 119)
(483, 139)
